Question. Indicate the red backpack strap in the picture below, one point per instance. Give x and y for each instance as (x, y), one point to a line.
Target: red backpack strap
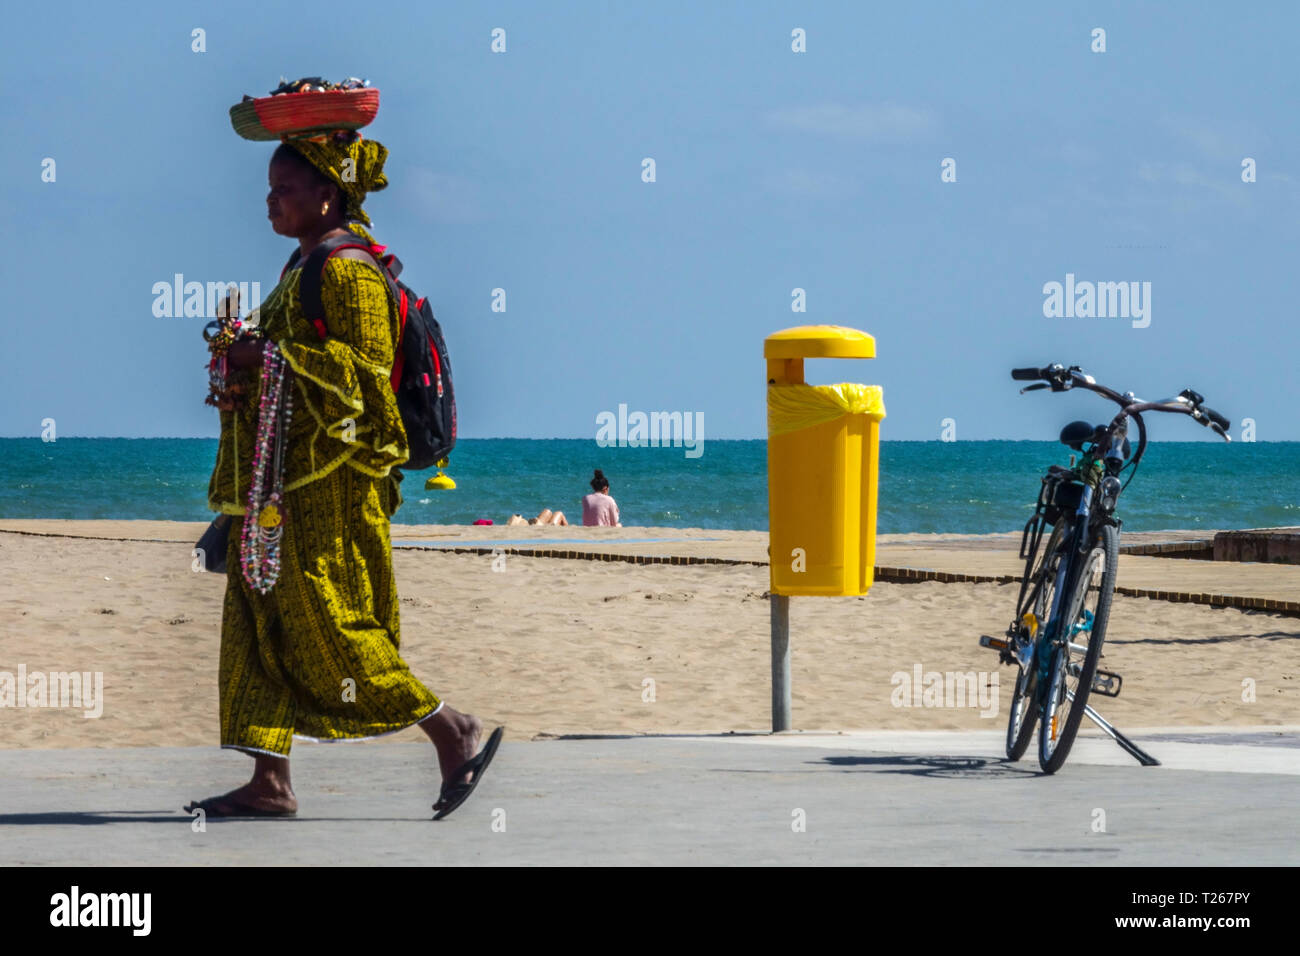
(399, 356)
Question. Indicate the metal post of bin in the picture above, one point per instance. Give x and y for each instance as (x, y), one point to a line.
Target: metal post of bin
(780, 663)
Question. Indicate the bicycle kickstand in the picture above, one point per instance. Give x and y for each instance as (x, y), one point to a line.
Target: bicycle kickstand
(1130, 748)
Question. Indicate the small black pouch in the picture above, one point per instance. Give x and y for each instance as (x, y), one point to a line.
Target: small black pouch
(1063, 501)
(211, 548)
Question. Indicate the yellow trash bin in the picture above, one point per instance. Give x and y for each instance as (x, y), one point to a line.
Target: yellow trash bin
(823, 445)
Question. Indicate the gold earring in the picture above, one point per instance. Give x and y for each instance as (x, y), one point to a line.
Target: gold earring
(324, 209)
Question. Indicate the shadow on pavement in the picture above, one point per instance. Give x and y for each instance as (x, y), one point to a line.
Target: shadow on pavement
(92, 818)
(934, 766)
(99, 817)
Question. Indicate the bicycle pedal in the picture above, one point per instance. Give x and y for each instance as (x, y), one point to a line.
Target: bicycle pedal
(1107, 683)
(1002, 646)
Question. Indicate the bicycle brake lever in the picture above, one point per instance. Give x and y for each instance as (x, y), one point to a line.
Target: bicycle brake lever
(1221, 432)
(1034, 388)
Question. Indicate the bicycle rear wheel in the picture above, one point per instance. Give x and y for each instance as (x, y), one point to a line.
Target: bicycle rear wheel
(1077, 649)
(1024, 713)
(1042, 585)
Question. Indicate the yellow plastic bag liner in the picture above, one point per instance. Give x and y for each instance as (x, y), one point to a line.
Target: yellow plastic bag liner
(792, 407)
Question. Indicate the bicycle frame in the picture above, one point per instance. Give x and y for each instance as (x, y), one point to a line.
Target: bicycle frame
(1065, 577)
(1092, 470)
(1038, 649)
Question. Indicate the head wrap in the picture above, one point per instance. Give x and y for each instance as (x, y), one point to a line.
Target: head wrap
(356, 167)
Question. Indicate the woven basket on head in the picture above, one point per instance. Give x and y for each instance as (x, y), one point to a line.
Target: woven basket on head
(304, 114)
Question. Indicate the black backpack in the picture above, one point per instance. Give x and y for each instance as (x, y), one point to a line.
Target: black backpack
(421, 368)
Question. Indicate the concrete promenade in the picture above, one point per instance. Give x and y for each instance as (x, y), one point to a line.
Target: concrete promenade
(941, 798)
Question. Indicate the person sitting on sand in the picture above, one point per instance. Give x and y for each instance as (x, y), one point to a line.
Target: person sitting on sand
(546, 517)
(598, 508)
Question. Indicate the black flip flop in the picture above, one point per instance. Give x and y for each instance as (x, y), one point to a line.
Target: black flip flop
(453, 795)
(241, 809)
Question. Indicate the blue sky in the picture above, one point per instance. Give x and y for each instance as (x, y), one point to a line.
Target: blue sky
(775, 170)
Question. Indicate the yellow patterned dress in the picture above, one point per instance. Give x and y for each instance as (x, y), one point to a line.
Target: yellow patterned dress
(317, 656)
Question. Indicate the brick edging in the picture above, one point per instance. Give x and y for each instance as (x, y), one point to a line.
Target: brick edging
(887, 574)
(583, 555)
(90, 537)
(1290, 608)
(882, 573)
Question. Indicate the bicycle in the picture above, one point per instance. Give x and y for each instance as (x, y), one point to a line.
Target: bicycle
(1065, 595)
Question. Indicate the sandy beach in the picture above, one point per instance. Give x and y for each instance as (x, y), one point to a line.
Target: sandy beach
(550, 647)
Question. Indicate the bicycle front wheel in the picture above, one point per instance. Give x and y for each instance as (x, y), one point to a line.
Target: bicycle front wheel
(1077, 649)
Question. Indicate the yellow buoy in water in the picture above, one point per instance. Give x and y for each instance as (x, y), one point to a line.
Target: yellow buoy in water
(440, 480)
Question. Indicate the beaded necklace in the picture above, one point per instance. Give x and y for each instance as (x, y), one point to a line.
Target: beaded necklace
(265, 515)
(226, 386)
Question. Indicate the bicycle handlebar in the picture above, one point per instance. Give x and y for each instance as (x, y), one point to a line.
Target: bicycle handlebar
(1061, 379)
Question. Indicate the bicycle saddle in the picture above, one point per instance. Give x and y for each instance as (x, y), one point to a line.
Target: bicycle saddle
(1076, 433)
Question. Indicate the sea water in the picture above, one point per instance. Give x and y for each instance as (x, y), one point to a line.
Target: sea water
(950, 487)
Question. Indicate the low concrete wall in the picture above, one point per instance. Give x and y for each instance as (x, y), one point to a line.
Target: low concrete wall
(1265, 545)
(1192, 550)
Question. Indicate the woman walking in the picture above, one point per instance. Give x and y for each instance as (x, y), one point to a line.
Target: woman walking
(311, 436)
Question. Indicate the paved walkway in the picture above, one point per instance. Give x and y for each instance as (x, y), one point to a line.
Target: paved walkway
(876, 798)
